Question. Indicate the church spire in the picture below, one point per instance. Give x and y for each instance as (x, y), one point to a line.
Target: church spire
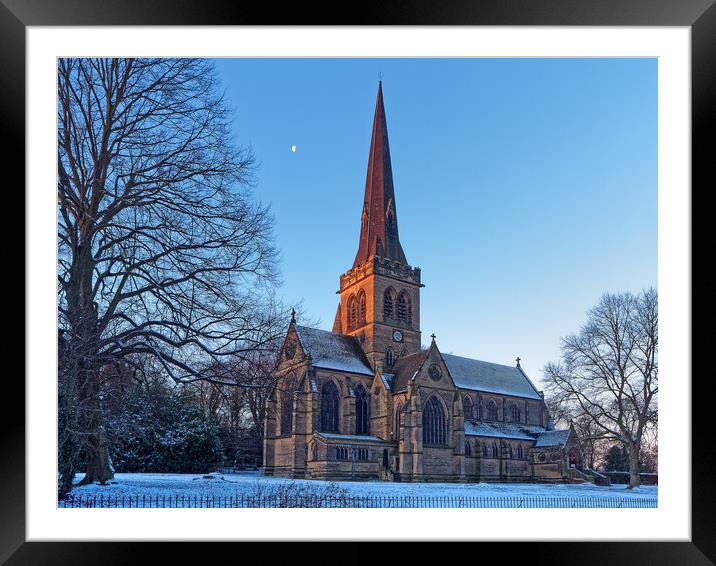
(379, 220)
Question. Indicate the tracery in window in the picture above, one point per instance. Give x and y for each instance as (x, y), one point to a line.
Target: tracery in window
(434, 423)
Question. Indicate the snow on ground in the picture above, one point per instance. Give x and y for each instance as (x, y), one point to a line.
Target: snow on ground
(251, 483)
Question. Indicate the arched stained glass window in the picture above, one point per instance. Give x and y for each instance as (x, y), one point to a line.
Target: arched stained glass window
(467, 407)
(287, 410)
(514, 413)
(519, 452)
(495, 451)
(330, 405)
(362, 400)
(468, 449)
(434, 423)
(397, 432)
(491, 411)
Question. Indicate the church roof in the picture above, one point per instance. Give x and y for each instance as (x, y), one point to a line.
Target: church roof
(515, 431)
(405, 368)
(552, 438)
(334, 351)
(379, 220)
(490, 378)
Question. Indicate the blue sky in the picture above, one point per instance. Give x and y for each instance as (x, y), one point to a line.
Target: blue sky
(525, 188)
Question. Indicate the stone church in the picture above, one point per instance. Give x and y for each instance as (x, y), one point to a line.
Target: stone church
(366, 401)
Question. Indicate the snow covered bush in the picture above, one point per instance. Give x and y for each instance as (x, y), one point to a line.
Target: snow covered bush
(162, 429)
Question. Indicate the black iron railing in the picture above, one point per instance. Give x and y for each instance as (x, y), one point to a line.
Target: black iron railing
(308, 501)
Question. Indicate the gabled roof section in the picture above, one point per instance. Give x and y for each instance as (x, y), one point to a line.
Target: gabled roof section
(334, 351)
(405, 368)
(552, 438)
(490, 378)
(517, 431)
(379, 218)
(501, 430)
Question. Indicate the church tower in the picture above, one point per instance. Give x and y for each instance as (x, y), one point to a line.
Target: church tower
(380, 294)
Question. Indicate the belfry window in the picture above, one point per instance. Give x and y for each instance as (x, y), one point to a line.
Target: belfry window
(434, 423)
(362, 410)
(361, 308)
(404, 311)
(467, 407)
(389, 357)
(352, 312)
(330, 404)
(389, 304)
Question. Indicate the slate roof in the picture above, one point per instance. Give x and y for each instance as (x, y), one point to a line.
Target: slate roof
(552, 438)
(490, 378)
(334, 351)
(404, 369)
(502, 430)
(516, 431)
(388, 380)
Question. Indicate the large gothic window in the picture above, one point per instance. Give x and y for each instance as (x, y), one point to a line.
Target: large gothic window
(389, 304)
(468, 449)
(361, 308)
(398, 422)
(362, 410)
(467, 407)
(514, 413)
(491, 411)
(330, 404)
(404, 311)
(352, 312)
(434, 423)
(287, 411)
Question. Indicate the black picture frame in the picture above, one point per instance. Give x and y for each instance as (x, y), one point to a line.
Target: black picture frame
(699, 15)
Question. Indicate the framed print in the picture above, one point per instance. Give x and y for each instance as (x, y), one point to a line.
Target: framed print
(189, 356)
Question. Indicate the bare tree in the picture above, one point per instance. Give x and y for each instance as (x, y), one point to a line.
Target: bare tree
(609, 372)
(163, 252)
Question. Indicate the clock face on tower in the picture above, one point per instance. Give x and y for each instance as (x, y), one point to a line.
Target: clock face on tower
(397, 335)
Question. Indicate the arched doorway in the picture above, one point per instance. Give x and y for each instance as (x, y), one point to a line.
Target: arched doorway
(574, 458)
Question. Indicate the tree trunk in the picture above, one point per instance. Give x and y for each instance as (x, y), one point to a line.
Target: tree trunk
(85, 336)
(95, 443)
(634, 450)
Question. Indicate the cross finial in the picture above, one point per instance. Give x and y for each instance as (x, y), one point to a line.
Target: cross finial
(517, 359)
(433, 336)
(293, 315)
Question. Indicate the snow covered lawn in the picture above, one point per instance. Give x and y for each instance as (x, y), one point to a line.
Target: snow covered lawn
(252, 484)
